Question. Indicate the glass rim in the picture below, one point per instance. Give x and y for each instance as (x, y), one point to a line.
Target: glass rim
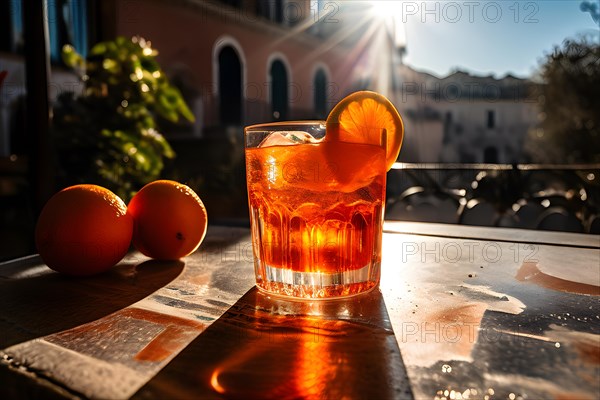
(269, 128)
(271, 125)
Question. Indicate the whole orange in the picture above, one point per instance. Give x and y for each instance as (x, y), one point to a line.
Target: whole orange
(169, 220)
(83, 230)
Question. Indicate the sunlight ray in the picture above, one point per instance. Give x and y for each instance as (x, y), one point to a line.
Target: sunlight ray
(340, 37)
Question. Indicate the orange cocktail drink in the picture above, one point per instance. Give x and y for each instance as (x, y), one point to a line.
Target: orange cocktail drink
(316, 211)
(316, 192)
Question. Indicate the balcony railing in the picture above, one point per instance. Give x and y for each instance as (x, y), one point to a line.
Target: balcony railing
(529, 196)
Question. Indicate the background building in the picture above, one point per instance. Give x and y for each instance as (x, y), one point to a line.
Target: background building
(236, 62)
(463, 118)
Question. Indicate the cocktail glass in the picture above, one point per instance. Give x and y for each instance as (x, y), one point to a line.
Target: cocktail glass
(316, 208)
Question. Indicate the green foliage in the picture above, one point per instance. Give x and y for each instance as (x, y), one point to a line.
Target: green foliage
(570, 126)
(109, 135)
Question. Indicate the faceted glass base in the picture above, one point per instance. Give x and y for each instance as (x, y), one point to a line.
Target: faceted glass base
(317, 285)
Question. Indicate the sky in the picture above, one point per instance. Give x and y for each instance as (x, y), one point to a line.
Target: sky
(485, 37)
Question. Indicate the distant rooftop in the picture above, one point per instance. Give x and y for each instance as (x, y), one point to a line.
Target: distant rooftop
(462, 85)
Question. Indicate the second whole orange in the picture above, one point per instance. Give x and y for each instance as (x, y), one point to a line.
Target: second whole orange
(170, 220)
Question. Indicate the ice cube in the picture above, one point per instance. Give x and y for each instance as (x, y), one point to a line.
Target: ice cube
(287, 138)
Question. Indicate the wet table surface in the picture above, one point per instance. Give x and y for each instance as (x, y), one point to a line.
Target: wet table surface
(461, 313)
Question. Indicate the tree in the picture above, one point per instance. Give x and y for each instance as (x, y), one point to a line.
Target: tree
(593, 8)
(109, 134)
(570, 118)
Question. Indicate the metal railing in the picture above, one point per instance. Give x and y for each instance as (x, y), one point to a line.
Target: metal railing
(531, 196)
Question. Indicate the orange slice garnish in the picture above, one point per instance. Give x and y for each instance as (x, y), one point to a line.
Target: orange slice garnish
(360, 116)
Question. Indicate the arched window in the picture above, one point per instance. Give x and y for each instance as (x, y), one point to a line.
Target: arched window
(320, 88)
(279, 90)
(230, 87)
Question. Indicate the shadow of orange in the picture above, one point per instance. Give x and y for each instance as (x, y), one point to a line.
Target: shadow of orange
(50, 302)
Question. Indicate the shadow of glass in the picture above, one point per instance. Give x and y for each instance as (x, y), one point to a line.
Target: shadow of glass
(266, 347)
(51, 302)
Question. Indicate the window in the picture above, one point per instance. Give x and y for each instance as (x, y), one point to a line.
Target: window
(263, 8)
(232, 3)
(279, 90)
(67, 24)
(490, 155)
(320, 88)
(278, 12)
(5, 26)
(448, 117)
(491, 120)
(272, 10)
(11, 26)
(230, 87)
(447, 127)
(319, 10)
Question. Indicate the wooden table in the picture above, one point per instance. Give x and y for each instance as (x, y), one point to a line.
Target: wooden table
(461, 313)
